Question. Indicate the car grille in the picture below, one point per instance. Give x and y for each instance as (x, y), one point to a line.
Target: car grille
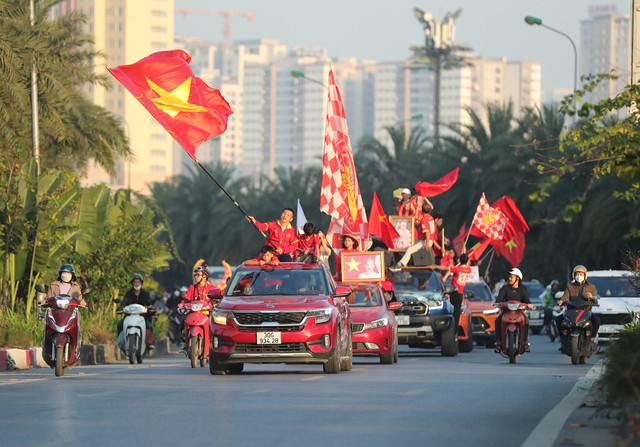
(357, 327)
(412, 309)
(245, 348)
(255, 318)
(615, 318)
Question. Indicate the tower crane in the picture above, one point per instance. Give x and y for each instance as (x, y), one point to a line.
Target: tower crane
(227, 14)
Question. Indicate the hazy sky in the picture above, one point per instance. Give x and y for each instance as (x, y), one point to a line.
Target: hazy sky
(385, 29)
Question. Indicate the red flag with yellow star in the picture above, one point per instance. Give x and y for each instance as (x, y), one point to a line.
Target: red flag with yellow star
(190, 110)
(512, 250)
(379, 224)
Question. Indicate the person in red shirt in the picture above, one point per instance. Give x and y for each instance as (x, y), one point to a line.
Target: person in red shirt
(437, 237)
(310, 243)
(349, 244)
(267, 257)
(461, 274)
(282, 235)
(425, 240)
(198, 291)
(404, 206)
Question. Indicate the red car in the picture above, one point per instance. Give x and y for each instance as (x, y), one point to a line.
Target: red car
(374, 326)
(290, 313)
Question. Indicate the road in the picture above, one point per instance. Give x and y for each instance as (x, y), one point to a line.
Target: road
(473, 399)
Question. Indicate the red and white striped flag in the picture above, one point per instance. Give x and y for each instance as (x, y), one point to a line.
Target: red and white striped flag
(490, 221)
(340, 194)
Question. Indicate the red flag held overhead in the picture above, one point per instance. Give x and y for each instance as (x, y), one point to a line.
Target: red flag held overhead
(379, 224)
(190, 110)
(426, 189)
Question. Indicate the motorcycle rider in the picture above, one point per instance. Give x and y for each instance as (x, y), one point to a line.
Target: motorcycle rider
(580, 288)
(513, 290)
(137, 295)
(197, 291)
(549, 302)
(66, 284)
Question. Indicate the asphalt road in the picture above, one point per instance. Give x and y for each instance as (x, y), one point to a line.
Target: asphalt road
(473, 399)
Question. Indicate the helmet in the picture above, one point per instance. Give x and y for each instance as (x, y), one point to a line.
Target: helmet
(137, 276)
(183, 289)
(516, 272)
(202, 269)
(580, 268)
(67, 268)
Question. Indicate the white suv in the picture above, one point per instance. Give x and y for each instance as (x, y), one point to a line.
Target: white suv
(619, 302)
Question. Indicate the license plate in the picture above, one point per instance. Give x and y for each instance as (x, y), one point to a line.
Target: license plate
(403, 320)
(534, 315)
(609, 328)
(269, 338)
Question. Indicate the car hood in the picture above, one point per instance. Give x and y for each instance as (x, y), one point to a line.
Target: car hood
(479, 306)
(366, 314)
(617, 305)
(274, 303)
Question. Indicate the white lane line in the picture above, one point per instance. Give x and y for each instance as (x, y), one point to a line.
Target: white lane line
(314, 378)
(547, 431)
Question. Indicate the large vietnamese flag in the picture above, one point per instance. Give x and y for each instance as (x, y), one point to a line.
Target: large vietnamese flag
(516, 222)
(190, 110)
(512, 250)
(441, 185)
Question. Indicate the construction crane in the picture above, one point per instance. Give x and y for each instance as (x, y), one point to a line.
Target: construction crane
(227, 14)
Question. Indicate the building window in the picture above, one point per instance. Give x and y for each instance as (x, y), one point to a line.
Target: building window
(158, 169)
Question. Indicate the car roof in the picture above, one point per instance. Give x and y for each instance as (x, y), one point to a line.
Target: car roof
(283, 266)
(608, 273)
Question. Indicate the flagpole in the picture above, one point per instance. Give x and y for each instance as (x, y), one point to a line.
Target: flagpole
(486, 272)
(230, 198)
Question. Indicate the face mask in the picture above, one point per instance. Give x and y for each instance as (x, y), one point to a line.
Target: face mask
(137, 287)
(66, 277)
(176, 293)
(579, 278)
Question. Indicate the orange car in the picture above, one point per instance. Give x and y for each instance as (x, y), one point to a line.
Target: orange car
(483, 325)
(465, 327)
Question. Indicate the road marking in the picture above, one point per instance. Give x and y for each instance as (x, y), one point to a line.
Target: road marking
(548, 429)
(314, 378)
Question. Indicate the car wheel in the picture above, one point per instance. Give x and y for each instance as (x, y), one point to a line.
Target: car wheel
(347, 364)
(333, 365)
(448, 342)
(215, 368)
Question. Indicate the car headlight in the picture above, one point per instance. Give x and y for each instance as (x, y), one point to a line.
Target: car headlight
(321, 315)
(491, 311)
(377, 323)
(221, 318)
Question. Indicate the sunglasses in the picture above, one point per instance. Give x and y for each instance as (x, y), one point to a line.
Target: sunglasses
(197, 274)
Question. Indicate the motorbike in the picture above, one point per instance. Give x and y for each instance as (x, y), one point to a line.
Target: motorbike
(175, 326)
(132, 339)
(575, 331)
(62, 336)
(513, 324)
(551, 328)
(196, 330)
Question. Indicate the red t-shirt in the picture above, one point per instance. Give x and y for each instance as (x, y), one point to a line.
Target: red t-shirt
(310, 243)
(196, 292)
(426, 224)
(278, 237)
(461, 275)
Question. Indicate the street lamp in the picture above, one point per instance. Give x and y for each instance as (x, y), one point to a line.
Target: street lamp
(530, 20)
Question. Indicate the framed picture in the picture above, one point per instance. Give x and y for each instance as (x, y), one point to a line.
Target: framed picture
(363, 266)
(404, 227)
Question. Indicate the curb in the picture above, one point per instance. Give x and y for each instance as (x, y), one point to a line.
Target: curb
(101, 354)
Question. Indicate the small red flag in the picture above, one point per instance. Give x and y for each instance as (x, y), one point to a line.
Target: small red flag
(379, 224)
(477, 250)
(458, 241)
(512, 250)
(426, 189)
(190, 110)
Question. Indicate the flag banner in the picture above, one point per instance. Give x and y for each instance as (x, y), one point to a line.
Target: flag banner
(516, 222)
(512, 250)
(190, 110)
(458, 242)
(475, 252)
(489, 221)
(379, 224)
(301, 219)
(340, 192)
(426, 189)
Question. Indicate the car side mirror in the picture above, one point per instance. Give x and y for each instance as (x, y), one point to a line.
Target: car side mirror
(342, 291)
(395, 305)
(215, 293)
(469, 295)
(87, 291)
(117, 300)
(40, 288)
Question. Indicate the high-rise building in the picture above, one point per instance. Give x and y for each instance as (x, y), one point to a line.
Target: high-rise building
(127, 31)
(605, 46)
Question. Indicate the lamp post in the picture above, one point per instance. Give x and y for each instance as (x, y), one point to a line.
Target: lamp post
(530, 20)
(300, 74)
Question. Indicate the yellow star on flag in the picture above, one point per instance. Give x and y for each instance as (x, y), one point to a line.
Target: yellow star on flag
(488, 219)
(353, 264)
(511, 245)
(175, 101)
(382, 218)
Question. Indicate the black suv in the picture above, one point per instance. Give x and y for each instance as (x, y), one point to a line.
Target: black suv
(426, 319)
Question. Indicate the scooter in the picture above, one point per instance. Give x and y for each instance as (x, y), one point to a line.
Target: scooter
(62, 337)
(513, 324)
(196, 330)
(576, 331)
(551, 328)
(132, 339)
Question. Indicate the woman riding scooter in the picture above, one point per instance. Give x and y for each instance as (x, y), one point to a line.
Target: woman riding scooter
(137, 295)
(199, 290)
(66, 284)
(513, 290)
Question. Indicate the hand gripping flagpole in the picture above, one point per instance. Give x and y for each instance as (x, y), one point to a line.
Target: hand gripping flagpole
(230, 198)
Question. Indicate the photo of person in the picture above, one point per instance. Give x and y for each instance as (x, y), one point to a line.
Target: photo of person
(404, 227)
(370, 271)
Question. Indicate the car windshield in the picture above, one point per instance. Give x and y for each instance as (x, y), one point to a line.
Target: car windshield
(281, 282)
(480, 291)
(535, 290)
(421, 285)
(614, 286)
(364, 298)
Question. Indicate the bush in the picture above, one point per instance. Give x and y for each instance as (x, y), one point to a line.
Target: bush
(18, 331)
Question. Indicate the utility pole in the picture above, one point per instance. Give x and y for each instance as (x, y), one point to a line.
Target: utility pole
(635, 41)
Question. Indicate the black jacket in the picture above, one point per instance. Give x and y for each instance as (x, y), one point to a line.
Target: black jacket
(130, 298)
(509, 293)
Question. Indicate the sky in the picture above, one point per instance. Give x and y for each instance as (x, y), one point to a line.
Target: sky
(384, 30)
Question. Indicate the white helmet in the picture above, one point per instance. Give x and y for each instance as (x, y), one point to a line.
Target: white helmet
(516, 272)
